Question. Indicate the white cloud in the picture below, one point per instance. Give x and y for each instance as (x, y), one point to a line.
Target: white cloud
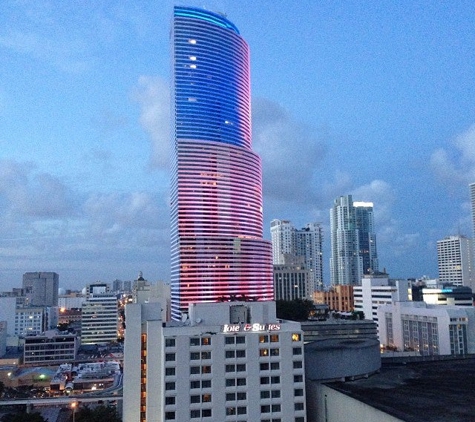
(46, 225)
(290, 151)
(153, 96)
(382, 195)
(26, 193)
(455, 164)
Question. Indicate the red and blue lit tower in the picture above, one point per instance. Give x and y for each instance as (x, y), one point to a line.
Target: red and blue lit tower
(217, 246)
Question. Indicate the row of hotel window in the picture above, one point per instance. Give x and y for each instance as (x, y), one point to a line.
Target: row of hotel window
(238, 396)
(206, 369)
(231, 382)
(206, 413)
(206, 341)
(229, 354)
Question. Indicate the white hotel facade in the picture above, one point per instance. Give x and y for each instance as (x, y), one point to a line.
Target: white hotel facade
(232, 361)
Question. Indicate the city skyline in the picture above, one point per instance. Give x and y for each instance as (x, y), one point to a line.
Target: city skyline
(370, 101)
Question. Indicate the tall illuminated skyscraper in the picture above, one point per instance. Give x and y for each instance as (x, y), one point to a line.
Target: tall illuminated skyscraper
(216, 199)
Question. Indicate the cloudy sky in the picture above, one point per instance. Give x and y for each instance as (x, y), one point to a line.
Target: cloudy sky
(376, 99)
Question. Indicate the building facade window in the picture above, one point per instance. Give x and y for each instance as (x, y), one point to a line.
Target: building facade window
(170, 357)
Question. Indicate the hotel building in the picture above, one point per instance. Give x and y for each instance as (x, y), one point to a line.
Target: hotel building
(232, 361)
(217, 246)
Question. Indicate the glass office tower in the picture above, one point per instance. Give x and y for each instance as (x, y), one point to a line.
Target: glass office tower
(218, 251)
(353, 241)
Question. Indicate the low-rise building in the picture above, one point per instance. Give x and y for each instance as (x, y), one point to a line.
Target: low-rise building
(427, 329)
(376, 290)
(293, 281)
(50, 347)
(338, 298)
(448, 295)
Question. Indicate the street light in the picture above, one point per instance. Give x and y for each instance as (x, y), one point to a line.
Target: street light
(74, 405)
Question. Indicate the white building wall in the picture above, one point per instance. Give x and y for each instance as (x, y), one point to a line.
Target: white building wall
(29, 321)
(455, 261)
(7, 313)
(71, 301)
(282, 238)
(441, 316)
(3, 338)
(377, 290)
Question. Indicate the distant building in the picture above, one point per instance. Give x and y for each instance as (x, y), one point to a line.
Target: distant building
(338, 298)
(455, 261)
(303, 246)
(448, 295)
(353, 241)
(8, 307)
(472, 203)
(309, 246)
(427, 329)
(366, 236)
(68, 316)
(377, 290)
(122, 286)
(33, 320)
(146, 292)
(50, 347)
(283, 240)
(41, 288)
(228, 361)
(99, 323)
(73, 300)
(3, 338)
(293, 282)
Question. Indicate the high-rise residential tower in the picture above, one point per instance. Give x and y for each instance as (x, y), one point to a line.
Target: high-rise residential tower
(454, 259)
(302, 247)
(218, 248)
(282, 234)
(472, 203)
(308, 244)
(353, 241)
(367, 237)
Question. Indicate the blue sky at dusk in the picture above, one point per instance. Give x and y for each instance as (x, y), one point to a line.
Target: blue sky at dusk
(376, 99)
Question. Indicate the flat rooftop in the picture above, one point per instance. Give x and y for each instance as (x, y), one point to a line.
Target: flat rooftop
(436, 391)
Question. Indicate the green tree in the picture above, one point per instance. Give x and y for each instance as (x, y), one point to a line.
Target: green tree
(294, 310)
(23, 417)
(98, 414)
